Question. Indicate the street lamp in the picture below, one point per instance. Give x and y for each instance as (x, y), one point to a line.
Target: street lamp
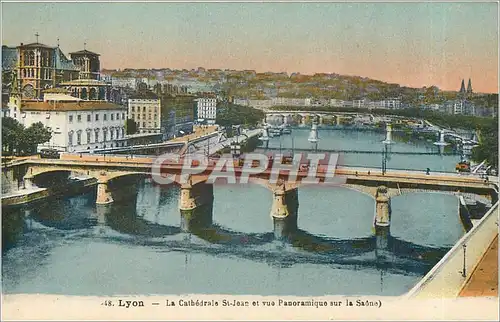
(384, 159)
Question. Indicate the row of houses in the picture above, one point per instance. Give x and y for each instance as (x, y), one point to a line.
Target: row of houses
(460, 106)
(391, 103)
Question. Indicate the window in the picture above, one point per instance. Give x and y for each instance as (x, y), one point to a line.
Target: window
(132, 109)
(123, 116)
(144, 108)
(143, 124)
(71, 118)
(123, 132)
(111, 134)
(88, 137)
(112, 117)
(79, 137)
(78, 118)
(97, 117)
(143, 116)
(156, 124)
(105, 117)
(70, 138)
(117, 116)
(138, 116)
(96, 132)
(89, 118)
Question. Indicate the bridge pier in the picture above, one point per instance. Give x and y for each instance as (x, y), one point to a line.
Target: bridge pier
(104, 195)
(102, 211)
(29, 182)
(284, 211)
(383, 212)
(196, 206)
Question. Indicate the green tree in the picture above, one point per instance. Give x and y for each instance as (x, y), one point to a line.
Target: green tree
(11, 134)
(130, 126)
(34, 135)
(231, 114)
(18, 140)
(488, 146)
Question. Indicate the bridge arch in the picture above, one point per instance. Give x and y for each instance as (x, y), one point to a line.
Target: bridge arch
(33, 174)
(115, 176)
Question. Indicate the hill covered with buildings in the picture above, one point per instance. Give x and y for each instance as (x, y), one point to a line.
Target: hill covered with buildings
(263, 90)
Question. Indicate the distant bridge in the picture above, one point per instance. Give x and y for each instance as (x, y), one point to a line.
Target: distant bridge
(287, 149)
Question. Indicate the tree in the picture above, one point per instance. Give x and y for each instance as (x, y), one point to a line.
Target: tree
(235, 115)
(11, 134)
(488, 146)
(130, 126)
(34, 135)
(19, 140)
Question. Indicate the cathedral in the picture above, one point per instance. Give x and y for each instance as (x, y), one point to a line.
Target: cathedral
(30, 70)
(463, 104)
(463, 93)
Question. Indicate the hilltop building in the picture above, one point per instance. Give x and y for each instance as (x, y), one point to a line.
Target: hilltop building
(469, 88)
(463, 104)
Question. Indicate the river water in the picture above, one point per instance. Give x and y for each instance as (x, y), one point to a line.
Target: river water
(73, 247)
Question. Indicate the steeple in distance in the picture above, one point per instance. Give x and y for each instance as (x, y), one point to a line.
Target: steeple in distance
(462, 88)
(469, 87)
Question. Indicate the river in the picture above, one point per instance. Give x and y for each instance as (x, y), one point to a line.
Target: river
(73, 247)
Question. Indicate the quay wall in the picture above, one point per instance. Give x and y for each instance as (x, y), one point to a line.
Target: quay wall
(447, 278)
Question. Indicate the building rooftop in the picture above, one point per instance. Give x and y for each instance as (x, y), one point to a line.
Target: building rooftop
(70, 106)
(59, 97)
(35, 45)
(62, 62)
(143, 95)
(84, 82)
(84, 52)
(56, 90)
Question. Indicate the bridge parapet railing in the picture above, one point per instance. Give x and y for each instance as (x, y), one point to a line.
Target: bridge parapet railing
(447, 278)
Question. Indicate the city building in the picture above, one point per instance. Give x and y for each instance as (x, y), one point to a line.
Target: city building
(88, 63)
(40, 67)
(458, 107)
(359, 103)
(144, 109)
(36, 67)
(76, 125)
(336, 102)
(465, 93)
(392, 103)
(206, 109)
(123, 82)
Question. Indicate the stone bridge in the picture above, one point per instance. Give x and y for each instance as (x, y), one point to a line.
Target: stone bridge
(284, 116)
(197, 189)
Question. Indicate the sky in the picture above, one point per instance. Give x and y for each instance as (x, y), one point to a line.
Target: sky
(412, 44)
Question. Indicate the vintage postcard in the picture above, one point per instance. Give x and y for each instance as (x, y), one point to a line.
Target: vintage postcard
(215, 160)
